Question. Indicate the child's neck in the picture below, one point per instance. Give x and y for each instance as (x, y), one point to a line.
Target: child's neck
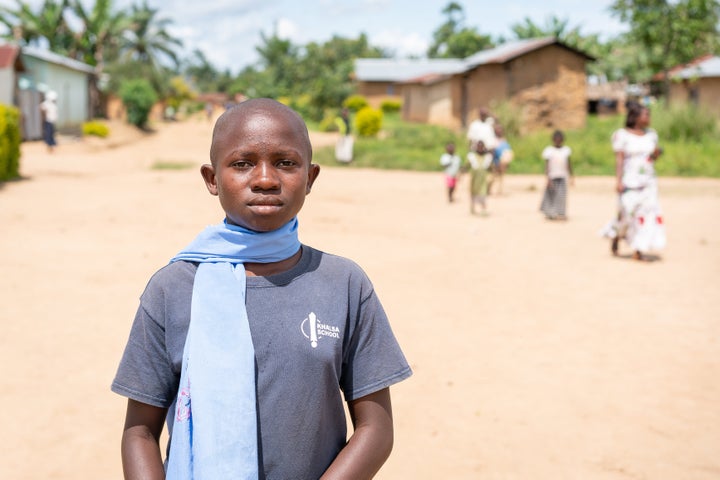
(267, 269)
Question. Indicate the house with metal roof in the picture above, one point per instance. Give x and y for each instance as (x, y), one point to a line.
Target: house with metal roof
(697, 82)
(542, 77)
(27, 73)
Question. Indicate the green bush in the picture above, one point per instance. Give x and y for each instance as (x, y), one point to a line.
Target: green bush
(138, 96)
(368, 122)
(683, 123)
(509, 116)
(328, 122)
(416, 146)
(9, 143)
(390, 106)
(97, 129)
(355, 103)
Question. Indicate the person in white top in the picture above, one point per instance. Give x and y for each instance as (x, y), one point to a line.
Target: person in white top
(482, 129)
(639, 220)
(452, 163)
(558, 170)
(49, 111)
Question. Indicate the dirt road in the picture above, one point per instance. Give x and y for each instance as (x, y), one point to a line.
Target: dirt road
(536, 354)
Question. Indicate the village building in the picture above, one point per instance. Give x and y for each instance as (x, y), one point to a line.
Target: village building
(542, 78)
(697, 82)
(27, 73)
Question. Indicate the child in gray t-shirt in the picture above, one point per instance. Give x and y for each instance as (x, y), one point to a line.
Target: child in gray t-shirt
(317, 328)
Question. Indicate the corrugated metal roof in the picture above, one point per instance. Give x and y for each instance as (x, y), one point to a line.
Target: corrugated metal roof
(709, 67)
(428, 79)
(51, 57)
(404, 70)
(508, 51)
(400, 70)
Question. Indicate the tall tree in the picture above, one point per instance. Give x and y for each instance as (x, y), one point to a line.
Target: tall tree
(102, 28)
(553, 27)
(46, 24)
(454, 40)
(203, 74)
(148, 40)
(279, 57)
(325, 71)
(670, 32)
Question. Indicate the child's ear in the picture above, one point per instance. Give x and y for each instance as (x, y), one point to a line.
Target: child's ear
(313, 173)
(208, 173)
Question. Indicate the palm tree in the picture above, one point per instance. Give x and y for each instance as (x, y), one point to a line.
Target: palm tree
(102, 29)
(48, 24)
(147, 40)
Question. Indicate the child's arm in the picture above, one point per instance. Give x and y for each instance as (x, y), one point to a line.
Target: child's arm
(570, 172)
(141, 456)
(371, 442)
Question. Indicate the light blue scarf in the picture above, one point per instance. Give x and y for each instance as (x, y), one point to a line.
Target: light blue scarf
(214, 433)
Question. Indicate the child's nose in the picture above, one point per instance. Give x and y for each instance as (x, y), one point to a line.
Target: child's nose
(265, 177)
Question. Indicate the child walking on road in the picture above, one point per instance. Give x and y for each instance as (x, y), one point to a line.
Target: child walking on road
(479, 162)
(452, 163)
(249, 340)
(558, 170)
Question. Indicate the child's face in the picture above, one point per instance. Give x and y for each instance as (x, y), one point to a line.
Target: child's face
(261, 168)
(558, 140)
(450, 148)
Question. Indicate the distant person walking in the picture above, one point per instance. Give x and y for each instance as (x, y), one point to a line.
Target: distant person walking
(558, 170)
(639, 220)
(502, 156)
(480, 162)
(482, 129)
(451, 162)
(345, 143)
(49, 113)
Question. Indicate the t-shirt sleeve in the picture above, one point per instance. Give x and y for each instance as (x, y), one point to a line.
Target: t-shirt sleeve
(546, 154)
(373, 359)
(618, 140)
(146, 372)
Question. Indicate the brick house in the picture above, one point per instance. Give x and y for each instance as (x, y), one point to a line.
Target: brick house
(542, 77)
(697, 82)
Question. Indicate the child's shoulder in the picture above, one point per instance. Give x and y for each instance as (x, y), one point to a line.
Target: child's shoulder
(331, 263)
(173, 277)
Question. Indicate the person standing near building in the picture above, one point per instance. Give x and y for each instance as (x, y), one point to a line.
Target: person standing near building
(49, 111)
(558, 170)
(345, 142)
(451, 163)
(639, 221)
(482, 130)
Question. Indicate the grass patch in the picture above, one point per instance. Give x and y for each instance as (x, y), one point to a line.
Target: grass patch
(412, 146)
(172, 165)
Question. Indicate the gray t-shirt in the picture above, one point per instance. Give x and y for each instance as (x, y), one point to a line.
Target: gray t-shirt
(317, 329)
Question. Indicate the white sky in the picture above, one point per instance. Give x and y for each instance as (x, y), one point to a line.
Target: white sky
(227, 31)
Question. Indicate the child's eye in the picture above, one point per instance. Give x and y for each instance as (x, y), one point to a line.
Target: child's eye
(240, 164)
(286, 163)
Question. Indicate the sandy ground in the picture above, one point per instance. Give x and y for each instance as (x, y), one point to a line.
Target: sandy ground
(536, 354)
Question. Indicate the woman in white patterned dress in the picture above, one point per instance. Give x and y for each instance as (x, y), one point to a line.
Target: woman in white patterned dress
(639, 219)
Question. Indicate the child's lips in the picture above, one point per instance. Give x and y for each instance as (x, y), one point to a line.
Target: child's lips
(265, 205)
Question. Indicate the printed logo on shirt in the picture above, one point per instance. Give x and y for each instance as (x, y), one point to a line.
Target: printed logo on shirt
(314, 329)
